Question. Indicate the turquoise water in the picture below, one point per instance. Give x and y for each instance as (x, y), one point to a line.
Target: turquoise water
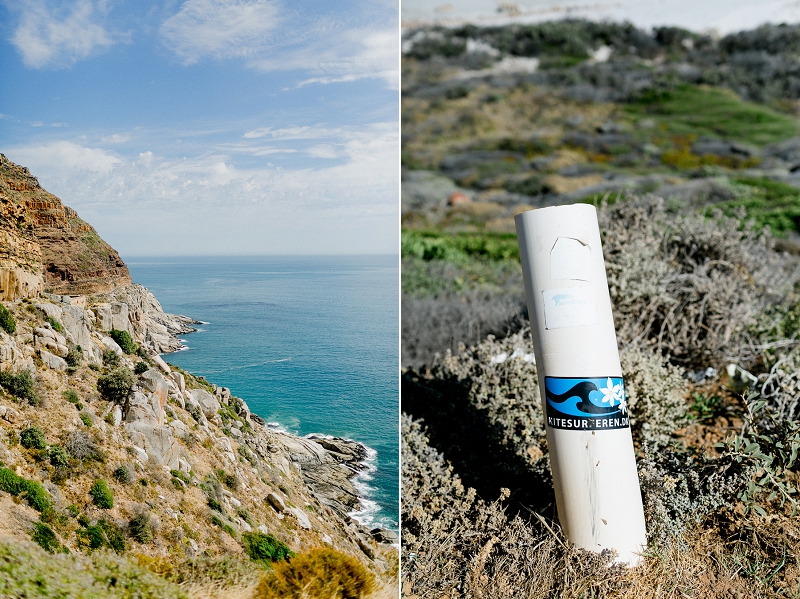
(310, 343)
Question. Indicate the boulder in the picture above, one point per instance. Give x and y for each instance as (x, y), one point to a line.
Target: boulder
(207, 402)
(301, 516)
(179, 381)
(51, 310)
(141, 454)
(116, 415)
(9, 414)
(158, 441)
(52, 361)
(384, 535)
(110, 344)
(103, 317)
(77, 325)
(144, 408)
(179, 429)
(161, 363)
(276, 501)
(184, 466)
(119, 317)
(155, 382)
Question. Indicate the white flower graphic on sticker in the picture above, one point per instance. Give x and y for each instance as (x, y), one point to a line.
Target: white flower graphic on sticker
(613, 393)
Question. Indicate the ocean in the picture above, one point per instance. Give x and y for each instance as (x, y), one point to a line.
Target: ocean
(310, 343)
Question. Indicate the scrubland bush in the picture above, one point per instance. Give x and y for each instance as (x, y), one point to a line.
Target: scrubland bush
(32, 573)
(20, 385)
(33, 438)
(44, 536)
(655, 391)
(7, 322)
(110, 358)
(318, 573)
(695, 289)
(102, 534)
(29, 490)
(74, 358)
(82, 446)
(116, 385)
(102, 495)
(124, 340)
(59, 458)
(141, 527)
(265, 548)
(122, 474)
(141, 367)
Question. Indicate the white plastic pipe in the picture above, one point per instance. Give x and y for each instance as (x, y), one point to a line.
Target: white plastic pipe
(597, 490)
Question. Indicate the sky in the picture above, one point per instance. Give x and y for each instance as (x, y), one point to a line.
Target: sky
(210, 127)
(721, 16)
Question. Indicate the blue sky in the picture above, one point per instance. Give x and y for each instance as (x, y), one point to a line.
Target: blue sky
(210, 126)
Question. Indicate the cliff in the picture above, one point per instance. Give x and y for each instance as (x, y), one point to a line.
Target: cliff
(46, 245)
(196, 489)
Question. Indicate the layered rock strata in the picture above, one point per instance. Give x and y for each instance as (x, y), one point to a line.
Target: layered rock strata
(46, 246)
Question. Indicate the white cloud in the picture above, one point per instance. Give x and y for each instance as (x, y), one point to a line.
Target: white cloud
(271, 37)
(65, 158)
(219, 28)
(323, 151)
(116, 138)
(146, 203)
(47, 37)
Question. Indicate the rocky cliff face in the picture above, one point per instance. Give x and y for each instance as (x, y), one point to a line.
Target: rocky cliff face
(207, 469)
(46, 246)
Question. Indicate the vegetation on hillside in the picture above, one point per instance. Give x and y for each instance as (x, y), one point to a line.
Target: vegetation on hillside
(689, 147)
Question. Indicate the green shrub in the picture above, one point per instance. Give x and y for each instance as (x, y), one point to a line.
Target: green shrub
(181, 476)
(215, 505)
(265, 548)
(44, 536)
(142, 352)
(33, 438)
(102, 495)
(29, 490)
(141, 367)
(318, 573)
(122, 474)
(229, 480)
(20, 385)
(70, 396)
(55, 324)
(85, 418)
(74, 358)
(7, 322)
(102, 534)
(110, 358)
(141, 527)
(116, 385)
(124, 340)
(216, 520)
(59, 457)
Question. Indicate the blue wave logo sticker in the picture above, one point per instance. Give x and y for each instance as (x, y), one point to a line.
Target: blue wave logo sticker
(586, 403)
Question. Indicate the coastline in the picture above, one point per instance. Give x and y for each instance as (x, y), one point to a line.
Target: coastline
(317, 366)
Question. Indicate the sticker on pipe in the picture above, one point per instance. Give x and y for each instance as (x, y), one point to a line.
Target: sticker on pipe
(586, 403)
(570, 307)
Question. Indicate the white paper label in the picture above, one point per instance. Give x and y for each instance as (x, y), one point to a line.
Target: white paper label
(570, 307)
(570, 259)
